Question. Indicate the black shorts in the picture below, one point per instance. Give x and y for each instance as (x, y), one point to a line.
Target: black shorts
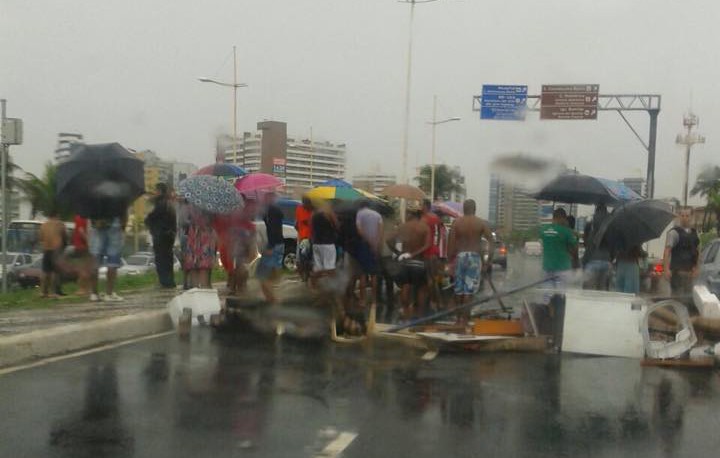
(366, 259)
(412, 272)
(49, 261)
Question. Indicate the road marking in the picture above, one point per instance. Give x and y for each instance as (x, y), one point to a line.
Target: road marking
(54, 359)
(336, 447)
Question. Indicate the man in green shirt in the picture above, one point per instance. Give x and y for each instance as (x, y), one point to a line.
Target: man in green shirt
(559, 243)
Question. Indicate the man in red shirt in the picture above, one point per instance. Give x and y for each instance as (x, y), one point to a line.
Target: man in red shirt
(80, 245)
(303, 217)
(432, 253)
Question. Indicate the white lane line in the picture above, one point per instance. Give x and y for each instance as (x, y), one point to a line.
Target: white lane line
(336, 447)
(54, 359)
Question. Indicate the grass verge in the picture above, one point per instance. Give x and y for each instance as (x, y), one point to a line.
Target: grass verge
(19, 299)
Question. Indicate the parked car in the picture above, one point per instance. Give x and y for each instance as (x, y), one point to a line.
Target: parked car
(102, 271)
(500, 253)
(651, 273)
(138, 264)
(533, 249)
(290, 241)
(709, 273)
(16, 264)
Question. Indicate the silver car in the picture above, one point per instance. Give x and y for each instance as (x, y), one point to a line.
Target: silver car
(709, 273)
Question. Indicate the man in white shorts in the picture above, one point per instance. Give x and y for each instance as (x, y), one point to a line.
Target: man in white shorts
(324, 236)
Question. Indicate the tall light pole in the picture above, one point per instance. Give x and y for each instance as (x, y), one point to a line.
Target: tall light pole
(434, 124)
(408, 82)
(688, 139)
(234, 85)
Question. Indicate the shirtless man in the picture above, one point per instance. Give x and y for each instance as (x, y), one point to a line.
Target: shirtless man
(465, 246)
(414, 235)
(52, 233)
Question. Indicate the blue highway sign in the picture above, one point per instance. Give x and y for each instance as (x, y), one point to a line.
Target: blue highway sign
(502, 102)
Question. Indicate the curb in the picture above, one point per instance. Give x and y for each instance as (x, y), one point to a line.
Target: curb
(44, 343)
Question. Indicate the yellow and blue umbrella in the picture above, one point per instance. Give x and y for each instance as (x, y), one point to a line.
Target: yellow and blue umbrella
(338, 190)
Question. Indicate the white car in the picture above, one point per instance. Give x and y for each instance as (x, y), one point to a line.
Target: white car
(138, 264)
(533, 249)
(102, 270)
(290, 241)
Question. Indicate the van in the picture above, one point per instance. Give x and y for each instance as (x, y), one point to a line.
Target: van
(533, 249)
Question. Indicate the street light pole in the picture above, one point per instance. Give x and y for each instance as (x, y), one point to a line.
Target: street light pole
(432, 155)
(408, 81)
(234, 85)
(434, 124)
(688, 139)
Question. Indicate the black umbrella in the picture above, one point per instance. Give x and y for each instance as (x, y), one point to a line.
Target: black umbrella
(575, 188)
(100, 181)
(634, 223)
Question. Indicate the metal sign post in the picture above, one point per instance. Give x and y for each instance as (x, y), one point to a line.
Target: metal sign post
(3, 186)
(11, 133)
(621, 103)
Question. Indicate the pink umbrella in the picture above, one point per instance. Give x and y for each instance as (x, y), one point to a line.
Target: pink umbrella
(258, 182)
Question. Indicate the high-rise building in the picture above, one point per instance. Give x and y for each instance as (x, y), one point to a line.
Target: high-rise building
(494, 206)
(374, 182)
(302, 162)
(66, 140)
(511, 207)
(636, 184)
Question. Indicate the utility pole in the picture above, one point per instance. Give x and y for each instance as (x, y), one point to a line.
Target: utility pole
(3, 184)
(235, 88)
(432, 154)
(434, 124)
(11, 133)
(689, 139)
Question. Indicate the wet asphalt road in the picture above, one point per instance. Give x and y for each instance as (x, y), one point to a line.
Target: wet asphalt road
(244, 396)
(240, 395)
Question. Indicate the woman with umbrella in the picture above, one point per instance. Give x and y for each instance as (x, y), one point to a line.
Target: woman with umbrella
(199, 254)
(206, 196)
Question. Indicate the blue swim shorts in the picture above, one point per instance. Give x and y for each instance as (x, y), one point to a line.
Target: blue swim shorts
(467, 273)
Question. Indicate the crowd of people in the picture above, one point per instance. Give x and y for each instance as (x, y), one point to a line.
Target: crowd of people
(376, 253)
(372, 255)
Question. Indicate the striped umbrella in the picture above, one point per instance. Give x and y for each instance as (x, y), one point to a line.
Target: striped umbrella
(324, 192)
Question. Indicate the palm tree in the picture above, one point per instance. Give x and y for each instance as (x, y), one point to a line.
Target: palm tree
(13, 183)
(447, 181)
(708, 185)
(41, 192)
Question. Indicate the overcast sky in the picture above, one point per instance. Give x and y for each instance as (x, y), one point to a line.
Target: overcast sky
(125, 70)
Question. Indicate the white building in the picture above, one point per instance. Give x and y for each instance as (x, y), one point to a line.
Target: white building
(374, 182)
(310, 162)
(301, 161)
(66, 140)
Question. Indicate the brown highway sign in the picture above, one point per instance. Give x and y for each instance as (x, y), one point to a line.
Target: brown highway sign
(569, 101)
